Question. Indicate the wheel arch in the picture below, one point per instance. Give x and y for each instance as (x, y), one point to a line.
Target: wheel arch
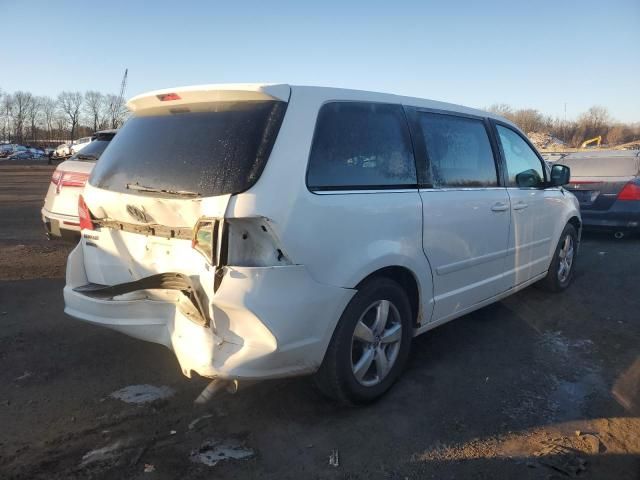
(407, 280)
(575, 221)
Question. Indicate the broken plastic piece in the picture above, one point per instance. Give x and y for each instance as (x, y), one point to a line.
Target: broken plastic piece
(215, 387)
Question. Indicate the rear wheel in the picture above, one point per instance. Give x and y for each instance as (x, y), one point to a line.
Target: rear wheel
(370, 345)
(561, 269)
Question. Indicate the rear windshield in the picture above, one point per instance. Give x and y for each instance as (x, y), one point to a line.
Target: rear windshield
(220, 149)
(602, 166)
(92, 151)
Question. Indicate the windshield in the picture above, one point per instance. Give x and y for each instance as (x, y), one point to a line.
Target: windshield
(220, 149)
(92, 151)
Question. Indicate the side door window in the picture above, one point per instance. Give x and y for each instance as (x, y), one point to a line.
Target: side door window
(360, 146)
(458, 150)
(524, 168)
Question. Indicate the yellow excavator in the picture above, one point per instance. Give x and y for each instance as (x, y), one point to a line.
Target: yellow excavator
(597, 140)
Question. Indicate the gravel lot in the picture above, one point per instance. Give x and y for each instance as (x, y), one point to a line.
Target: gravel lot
(537, 386)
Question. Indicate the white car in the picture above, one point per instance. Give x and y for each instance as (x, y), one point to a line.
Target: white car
(264, 231)
(79, 144)
(60, 210)
(62, 150)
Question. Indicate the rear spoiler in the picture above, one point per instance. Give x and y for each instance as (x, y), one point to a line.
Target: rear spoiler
(210, 93)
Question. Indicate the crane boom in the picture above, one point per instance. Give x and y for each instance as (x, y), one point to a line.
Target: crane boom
(597, 140)
(123, 85)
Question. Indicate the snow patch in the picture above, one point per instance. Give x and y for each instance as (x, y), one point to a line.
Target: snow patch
(101, 454)
(213, 451)
(140, 394)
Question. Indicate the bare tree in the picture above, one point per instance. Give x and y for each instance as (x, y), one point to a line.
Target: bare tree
(71, 103)
(619, 134)
(93, 102)
(502, 109)
(5, 115)
(34, 112)
(117, 110)
(529, 120)
(49, 114)
(21, 102)
(597, 117)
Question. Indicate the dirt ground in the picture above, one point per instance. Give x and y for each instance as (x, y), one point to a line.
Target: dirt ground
(537, 386)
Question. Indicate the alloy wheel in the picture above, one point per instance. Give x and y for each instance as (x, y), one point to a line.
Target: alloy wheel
(376, 343)
(566, 259)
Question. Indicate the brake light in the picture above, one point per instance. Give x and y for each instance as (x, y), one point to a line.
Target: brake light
(85, 215)
(631, 191)
(167, 97)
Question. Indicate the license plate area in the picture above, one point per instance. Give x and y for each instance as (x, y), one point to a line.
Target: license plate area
(586, 197)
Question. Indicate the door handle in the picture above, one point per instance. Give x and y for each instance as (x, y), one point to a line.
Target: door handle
(499, 207)
(520, 206)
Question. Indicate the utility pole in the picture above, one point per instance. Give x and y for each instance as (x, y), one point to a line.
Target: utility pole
(564, 125)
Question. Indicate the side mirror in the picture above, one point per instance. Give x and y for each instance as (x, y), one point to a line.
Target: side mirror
(560, 175)
(528, 178)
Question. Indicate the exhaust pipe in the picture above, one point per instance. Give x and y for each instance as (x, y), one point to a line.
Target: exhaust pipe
(216, 386)
(618, 235)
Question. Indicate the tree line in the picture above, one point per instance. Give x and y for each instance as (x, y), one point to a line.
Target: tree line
(594, 122)
(30, 119)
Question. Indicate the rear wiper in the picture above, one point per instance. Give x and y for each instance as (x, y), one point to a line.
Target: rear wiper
(82, 156)
(141, 188)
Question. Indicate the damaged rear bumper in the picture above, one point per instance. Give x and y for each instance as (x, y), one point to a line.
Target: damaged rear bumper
(269, 322)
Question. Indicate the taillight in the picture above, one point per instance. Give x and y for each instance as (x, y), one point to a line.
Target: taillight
(55, 178)
(72, 179)
(631, 191)
(60, 179)
(85, 215)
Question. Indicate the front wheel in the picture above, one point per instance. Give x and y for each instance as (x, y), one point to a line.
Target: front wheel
(562, 265)
(370, 345)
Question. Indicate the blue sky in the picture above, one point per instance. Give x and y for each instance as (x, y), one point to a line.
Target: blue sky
(537, 54)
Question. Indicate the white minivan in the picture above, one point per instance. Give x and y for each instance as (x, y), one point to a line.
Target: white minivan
(265, 231)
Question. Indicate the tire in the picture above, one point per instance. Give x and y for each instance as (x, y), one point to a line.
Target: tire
(556, 281)
(349, 352)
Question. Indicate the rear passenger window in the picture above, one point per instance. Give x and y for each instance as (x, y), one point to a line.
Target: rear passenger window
(458, 151)
(361, 146)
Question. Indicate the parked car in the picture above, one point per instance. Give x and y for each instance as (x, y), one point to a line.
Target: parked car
(60, 210)
(62, 151)
(607, 185)
(80, 144)
(264, 231)
(9, 149)
(35, 152)
(6, 150)
(22, 155)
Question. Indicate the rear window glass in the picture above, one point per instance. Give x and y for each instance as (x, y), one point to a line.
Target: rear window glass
(458, 150)
(92, 151)
(602, 166)
(220, 149)
(361, 145)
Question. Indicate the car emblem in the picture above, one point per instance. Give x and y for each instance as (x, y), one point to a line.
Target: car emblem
(138, 214)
